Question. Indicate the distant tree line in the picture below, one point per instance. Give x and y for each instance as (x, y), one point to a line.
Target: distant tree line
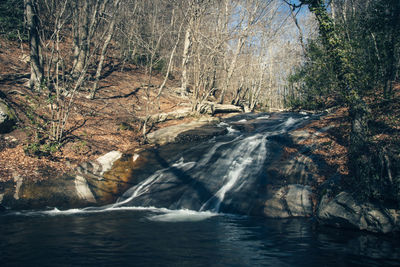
(236, 52)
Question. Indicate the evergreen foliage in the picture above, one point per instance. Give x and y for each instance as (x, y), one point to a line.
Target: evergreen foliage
(365, 58)
(12, 19)
(356, 58)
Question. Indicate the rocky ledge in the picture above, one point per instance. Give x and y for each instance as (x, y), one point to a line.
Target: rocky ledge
(293, 192)
(88, 185)
(201, 129)
(345, 211)
(101, 181)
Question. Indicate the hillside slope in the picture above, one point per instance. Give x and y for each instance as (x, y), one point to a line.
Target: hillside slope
(109, 122)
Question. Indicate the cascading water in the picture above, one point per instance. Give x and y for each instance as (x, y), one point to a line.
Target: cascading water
(223, 174)
(246, 157)
(219, 175)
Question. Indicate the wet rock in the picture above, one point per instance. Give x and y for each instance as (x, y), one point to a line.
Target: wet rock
(93, 182)
(7, 117)
(290, 201)
(196, 130)
(299, 135)
(202, 133)
(244, 126)
(2, 208)
(344, 211)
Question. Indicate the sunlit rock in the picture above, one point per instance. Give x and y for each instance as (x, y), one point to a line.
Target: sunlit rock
(7, 117)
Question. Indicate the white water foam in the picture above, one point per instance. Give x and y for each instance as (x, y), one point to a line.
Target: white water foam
(263, 117)
(289, 122)
(167, 215)
(89, 210)
(241, 160)
(206, 158)
(183, 215)
(232, 131)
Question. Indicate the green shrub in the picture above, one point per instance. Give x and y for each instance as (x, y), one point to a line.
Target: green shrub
(41, 150)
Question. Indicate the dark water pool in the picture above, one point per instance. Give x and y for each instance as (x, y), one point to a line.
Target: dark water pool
(157, 238)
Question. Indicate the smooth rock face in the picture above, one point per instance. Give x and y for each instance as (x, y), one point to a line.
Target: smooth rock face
(169, 134)
(290, 201)
(94, 183)
(345, 211)
(100, 165)
(197, 130)
(57, 192)
(7, 120)
(106, 161)
(83, 189)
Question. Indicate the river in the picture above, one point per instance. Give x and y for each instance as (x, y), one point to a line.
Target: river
(134, 237)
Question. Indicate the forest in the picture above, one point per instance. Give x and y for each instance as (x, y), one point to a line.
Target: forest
(268, 55)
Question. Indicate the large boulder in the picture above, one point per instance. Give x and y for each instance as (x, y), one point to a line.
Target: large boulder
(7, 117)
(58, 192)
(344, 210)
(290, 201)
(93, 183)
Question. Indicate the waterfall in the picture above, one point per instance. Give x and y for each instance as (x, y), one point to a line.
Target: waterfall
(213, 175)
(250, 152)
(145, 186)
(199, 180)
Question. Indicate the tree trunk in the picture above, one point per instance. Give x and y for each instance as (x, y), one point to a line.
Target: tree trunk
(81, 46)
(185, 60)
(36, 60)
(170, 62)
(110, 32)
(296, 22)
(231, 68)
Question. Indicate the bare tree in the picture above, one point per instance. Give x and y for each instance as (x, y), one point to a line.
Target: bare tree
(109, 34)
(36, 60)
(185, 57)
(86, 19)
